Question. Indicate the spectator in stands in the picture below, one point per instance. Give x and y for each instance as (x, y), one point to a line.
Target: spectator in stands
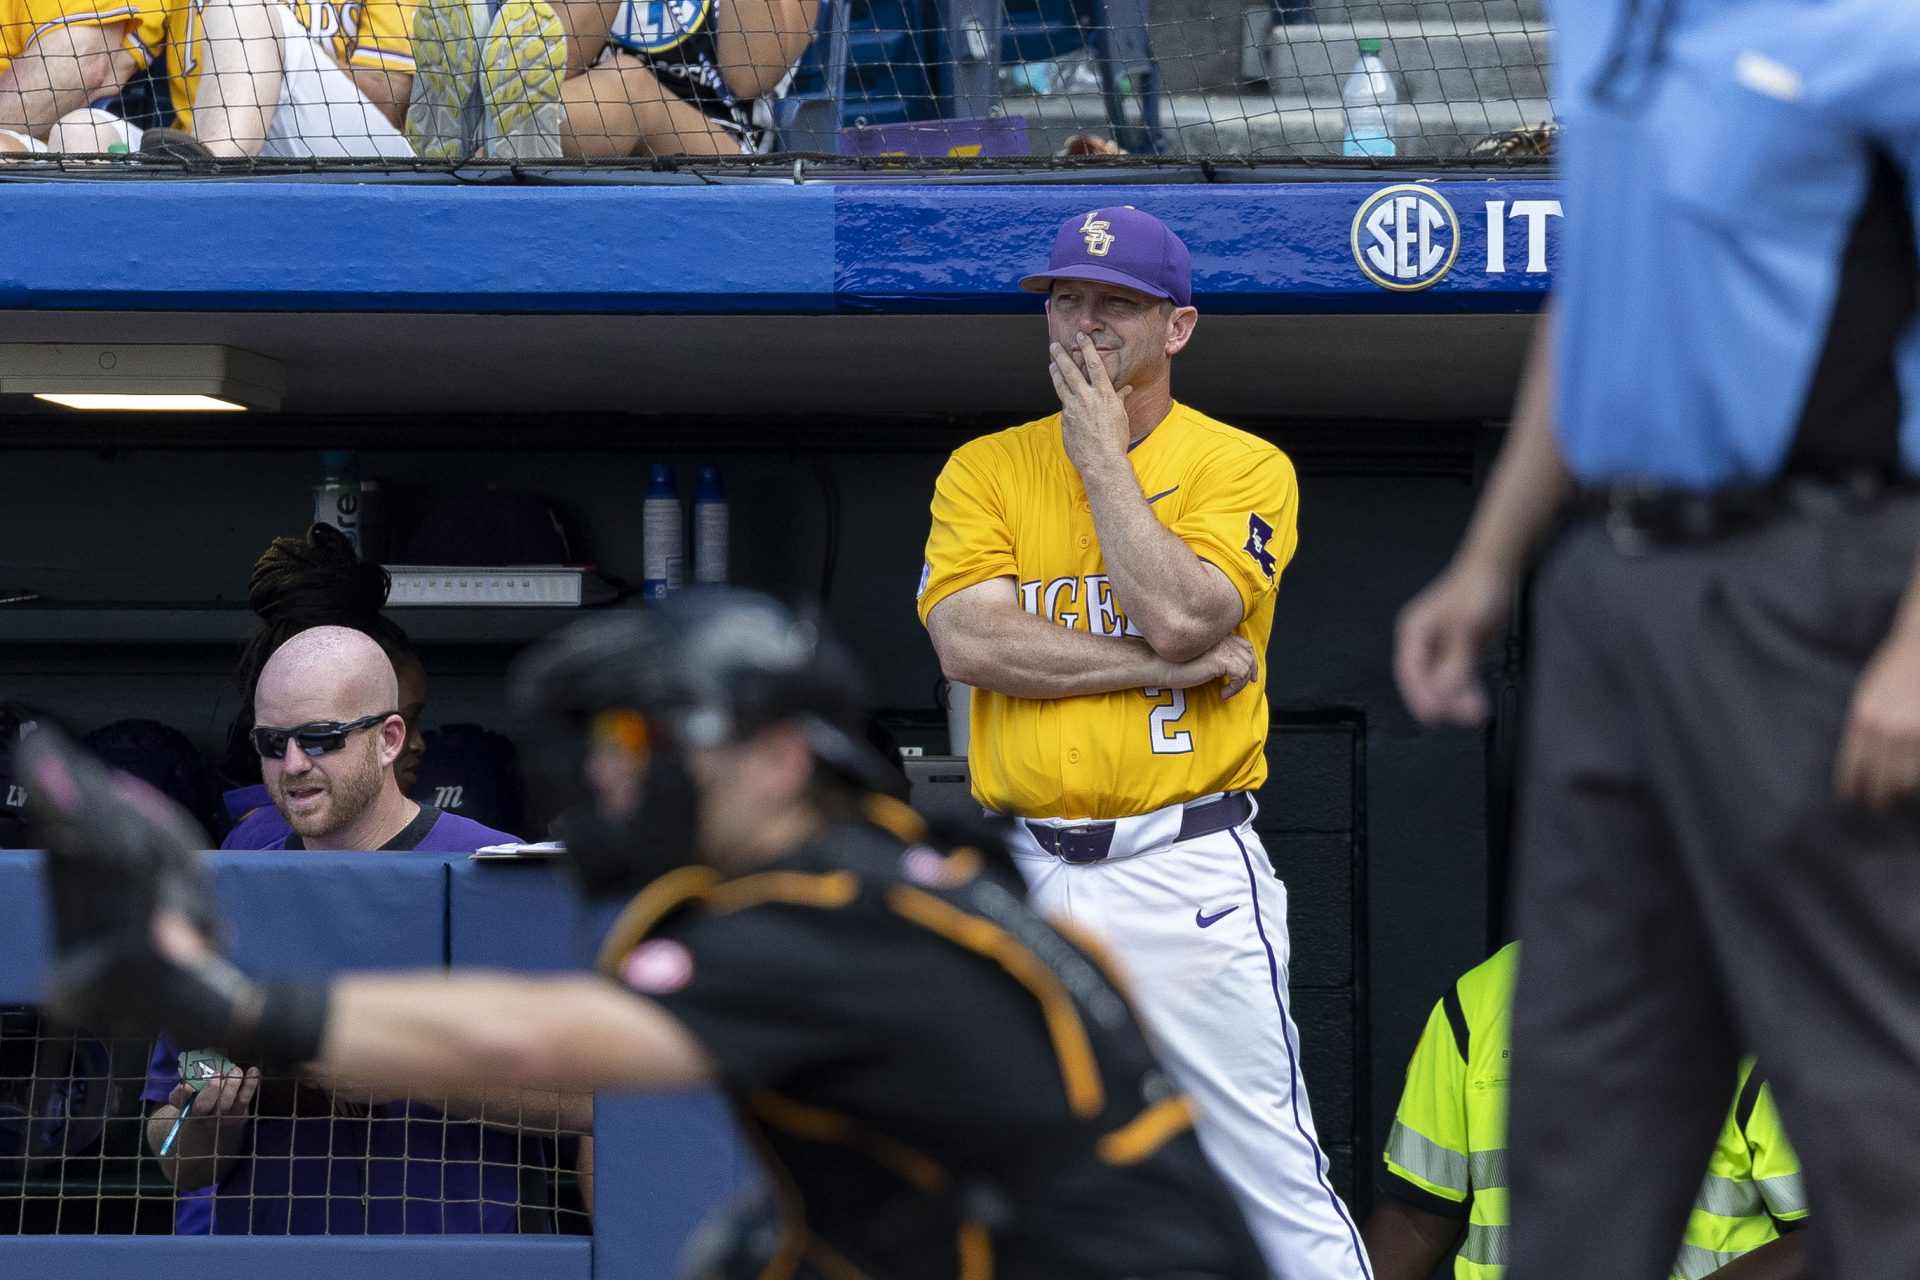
(321, 78)
(678, 77)
(246, 76)
(329, 754)
(272, 1158)
(1445, 1175)
(56, 57)
(300, 583)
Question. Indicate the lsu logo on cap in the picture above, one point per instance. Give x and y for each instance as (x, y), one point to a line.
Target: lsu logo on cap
(1405, 237)
(1094, 231)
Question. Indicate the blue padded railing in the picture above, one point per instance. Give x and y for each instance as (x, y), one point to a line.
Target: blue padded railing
(661, 1163)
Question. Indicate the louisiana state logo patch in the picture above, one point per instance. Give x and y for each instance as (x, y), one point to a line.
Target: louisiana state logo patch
(1259, 540)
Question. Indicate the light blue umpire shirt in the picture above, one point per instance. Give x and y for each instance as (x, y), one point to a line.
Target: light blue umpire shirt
(1714, 164)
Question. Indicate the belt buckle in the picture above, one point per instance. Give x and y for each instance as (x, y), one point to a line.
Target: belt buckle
(1623, 528)
(1083, 843)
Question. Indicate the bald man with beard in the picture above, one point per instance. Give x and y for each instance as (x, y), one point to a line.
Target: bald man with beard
(247, 1161)
(329, 733)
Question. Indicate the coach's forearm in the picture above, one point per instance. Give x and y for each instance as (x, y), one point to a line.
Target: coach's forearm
(1004, 648)
(1179, 603)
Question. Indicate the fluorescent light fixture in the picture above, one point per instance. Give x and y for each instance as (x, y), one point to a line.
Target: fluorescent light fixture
(167, 376)
(156, 403)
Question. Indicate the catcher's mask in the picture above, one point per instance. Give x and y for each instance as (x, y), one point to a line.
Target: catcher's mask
(706, 668)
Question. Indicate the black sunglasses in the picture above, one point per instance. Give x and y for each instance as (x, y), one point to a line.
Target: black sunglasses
(315, 738)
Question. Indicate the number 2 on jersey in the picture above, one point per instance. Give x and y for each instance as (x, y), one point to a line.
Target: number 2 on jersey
(1166, 740)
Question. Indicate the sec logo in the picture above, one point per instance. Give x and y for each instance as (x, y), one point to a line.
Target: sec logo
(1406, 237)
(655, 26)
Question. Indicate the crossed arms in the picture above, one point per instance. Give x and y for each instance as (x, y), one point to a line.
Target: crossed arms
(1184, 608)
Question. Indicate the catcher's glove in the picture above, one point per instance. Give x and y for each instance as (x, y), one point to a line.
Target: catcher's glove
(119, 854)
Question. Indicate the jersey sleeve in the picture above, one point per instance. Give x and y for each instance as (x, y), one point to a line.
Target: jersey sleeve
(971, 541)
(1776, 1167)
(1245, 521)
(23, 24)
(1426, 1156)
(384, 39)
(765, 993)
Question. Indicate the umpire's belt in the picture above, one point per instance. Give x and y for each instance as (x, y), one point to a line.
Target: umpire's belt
(1082, 842)
(1640, 518)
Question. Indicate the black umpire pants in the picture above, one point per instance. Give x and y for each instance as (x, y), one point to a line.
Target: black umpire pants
(1689, 886)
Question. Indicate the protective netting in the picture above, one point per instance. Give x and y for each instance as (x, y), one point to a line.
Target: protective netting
(438, 83)
(93, 1141)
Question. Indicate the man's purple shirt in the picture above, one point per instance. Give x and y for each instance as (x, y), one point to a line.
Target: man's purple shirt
(405, 1170)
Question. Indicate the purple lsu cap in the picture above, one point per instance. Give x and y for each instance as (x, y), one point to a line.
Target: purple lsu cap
(1120, 246)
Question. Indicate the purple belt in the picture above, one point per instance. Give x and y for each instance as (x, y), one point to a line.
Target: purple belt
(1091, 841)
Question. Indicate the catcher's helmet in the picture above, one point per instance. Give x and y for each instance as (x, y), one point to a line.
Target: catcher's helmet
(710, 666)
(703, 669)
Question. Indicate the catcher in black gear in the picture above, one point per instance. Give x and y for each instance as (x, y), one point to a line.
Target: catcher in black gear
(939, 1084)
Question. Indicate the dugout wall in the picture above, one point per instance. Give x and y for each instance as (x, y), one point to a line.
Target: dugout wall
(826, 346)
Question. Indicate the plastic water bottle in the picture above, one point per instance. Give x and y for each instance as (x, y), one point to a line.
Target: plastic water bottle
(662, 536)
(336, 498)
(1371, 102)
(709, 528)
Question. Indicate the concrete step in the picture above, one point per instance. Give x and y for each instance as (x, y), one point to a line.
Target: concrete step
(1432, 61)
(1428, 11)
(1260, 124)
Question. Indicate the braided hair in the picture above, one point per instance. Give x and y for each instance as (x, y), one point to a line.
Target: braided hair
(317, 580)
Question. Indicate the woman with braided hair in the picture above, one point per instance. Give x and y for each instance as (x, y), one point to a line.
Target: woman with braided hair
(317, 580)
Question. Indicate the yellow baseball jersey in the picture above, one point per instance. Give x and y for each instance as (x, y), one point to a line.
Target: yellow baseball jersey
(24, 21)
(360, 34)
(1011, 505)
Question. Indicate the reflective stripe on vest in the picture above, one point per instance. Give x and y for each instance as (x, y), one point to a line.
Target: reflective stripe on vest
(1784, 1194)
(1485, 1245)
(1427, 1160)
(1730, 1198)
(1695, 1263)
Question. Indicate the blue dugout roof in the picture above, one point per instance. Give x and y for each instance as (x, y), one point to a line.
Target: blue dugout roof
(1387, 246)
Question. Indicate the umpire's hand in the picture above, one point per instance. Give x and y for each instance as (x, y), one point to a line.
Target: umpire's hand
(1441, 636)
(1879, 760)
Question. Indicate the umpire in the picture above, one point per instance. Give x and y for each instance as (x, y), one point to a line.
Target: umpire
(939, 1084)
(1720, 832)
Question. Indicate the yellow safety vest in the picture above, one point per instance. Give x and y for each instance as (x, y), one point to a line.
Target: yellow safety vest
(1449, 1139)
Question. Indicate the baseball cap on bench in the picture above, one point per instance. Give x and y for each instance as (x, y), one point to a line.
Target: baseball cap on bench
(1119, 245)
